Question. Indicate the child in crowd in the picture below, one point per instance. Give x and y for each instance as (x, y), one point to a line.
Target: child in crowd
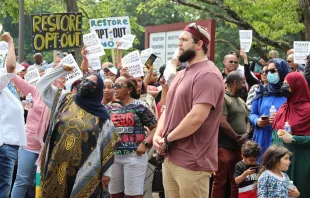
(272, 182)
(246, 171)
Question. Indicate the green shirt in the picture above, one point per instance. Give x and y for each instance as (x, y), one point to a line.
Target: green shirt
(237, 115)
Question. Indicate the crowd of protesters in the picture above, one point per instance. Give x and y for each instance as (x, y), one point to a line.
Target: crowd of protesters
(180, 131)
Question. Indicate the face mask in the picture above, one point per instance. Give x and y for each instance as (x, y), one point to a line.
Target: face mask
(87, 89)
(273, 78)
(285, 90)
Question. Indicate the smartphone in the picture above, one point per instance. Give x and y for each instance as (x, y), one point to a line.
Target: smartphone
(265, 117)
(150, 60)
(254, 168)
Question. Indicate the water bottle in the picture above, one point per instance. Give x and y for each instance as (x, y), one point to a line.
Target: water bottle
(287, 127)
(272, 111)
(28, 102)
(291, 186)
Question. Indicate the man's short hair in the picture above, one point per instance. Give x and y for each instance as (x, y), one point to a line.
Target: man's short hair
(232, 77)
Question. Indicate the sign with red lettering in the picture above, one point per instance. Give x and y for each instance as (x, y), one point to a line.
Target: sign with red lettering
(56, 31)
(110, 30)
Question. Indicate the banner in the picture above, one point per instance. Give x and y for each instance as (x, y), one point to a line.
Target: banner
(56, 31)
(3, 52)
(94, 63)
(301, 51)
(76, 73)
(93, 45)
(126, 41)
(133, 62)
(245, 39)
(32, 76)
(110, 30)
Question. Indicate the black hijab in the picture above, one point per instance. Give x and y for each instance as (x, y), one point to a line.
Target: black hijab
(94, 105)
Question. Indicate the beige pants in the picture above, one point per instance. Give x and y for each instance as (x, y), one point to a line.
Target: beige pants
(183, 183)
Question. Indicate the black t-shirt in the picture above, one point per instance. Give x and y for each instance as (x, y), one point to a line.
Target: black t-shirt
(240, 168)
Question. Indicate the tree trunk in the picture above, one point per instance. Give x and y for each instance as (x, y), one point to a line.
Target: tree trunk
(305, 9)
(21, 33)
(72, 7)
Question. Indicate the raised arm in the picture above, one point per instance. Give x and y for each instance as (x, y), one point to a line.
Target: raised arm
(47, 91)
(7, 73)
(23, 86)
(84, 64)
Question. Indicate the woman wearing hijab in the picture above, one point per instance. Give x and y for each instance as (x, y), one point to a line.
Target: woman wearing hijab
(296, 111)
(78, 150)
(267, 96)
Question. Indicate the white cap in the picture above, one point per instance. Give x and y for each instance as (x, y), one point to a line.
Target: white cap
(113, 70)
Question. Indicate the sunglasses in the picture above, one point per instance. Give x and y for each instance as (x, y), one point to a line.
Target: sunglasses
(289, 61)
(235, 62)
(273, 70)
(86, 80)
(118, 85)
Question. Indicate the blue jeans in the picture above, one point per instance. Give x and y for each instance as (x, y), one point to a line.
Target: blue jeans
(8, 156)
(25, 177)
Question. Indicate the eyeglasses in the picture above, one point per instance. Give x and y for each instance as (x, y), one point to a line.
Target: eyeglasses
(273, 70)
(118, 85)
(235, 62)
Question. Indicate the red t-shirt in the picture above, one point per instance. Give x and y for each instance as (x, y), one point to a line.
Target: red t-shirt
(201, 83)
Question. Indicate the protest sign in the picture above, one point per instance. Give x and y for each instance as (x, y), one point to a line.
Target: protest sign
(133, 62)
(3, 52)
(32, 76)
(76, 73)
(56, 31)
(94, 63)
(145, 54)
(301, 51)
(126, 41)
(158, 44)
(172, 43)
(93, 45)
(110, 30)
(245, 39)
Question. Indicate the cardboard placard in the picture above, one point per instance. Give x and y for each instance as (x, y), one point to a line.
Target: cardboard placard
(145, 54)
(301, 51)
(133, 62)
(56, 31)
(94, 63)
(3, 52)
(32, 76)
(126, 41)
(93, 45)
(76, 73)
(110, 30)
(245, 39)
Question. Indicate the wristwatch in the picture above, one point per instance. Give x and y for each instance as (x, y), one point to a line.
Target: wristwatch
(147, 145)
(166, 141)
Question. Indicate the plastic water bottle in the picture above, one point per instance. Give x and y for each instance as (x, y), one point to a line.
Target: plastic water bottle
(291, 186)
(287, 127)
(272, 111)
(28, 102)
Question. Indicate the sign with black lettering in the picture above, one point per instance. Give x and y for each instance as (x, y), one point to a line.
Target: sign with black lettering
(110, 30)
(133, 62)
(56, 31)
(3, 52)
(301, 51)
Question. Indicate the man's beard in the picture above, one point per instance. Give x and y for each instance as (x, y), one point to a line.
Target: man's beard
(187, 55)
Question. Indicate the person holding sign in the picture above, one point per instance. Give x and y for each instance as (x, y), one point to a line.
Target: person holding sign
(79, 144)
(130, 116)
(12, 130)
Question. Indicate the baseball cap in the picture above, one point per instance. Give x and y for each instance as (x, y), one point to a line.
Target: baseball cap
(112, 69)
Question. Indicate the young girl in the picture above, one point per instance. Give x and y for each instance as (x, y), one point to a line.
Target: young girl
(272, 182)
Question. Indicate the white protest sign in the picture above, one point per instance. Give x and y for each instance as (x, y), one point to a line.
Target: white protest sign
(93, 45)
(32, 76)
(3, 52)
(76, 73)
(245, 39)
(301, 51)
(110, 30)
(126, 41)
(94, 63)
(133, 62)
(145, 54)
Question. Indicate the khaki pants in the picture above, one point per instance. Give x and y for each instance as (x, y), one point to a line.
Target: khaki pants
(183, 183)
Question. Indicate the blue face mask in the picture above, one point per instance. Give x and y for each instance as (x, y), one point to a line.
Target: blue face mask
(273, 78)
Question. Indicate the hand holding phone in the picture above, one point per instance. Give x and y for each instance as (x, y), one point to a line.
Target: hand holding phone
(150, 61)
